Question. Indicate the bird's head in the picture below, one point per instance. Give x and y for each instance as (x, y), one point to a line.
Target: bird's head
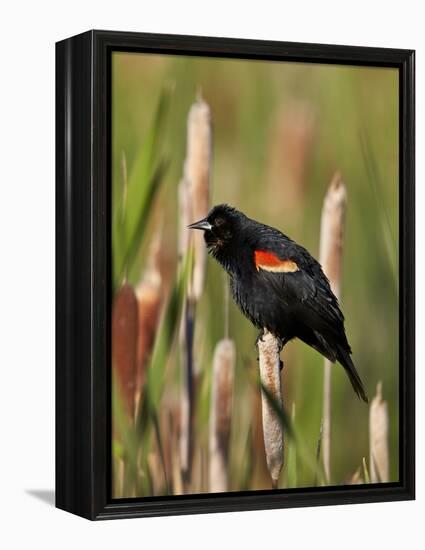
(220, 227)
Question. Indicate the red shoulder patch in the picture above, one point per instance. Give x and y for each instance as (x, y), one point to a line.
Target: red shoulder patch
(270, 262)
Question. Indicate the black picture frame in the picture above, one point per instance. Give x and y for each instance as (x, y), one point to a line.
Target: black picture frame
(83, 274)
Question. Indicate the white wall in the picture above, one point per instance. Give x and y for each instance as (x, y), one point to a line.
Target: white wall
(28, 33)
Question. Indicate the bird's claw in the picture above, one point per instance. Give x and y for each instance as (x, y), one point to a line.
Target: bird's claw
(281, 343)
(259, 338)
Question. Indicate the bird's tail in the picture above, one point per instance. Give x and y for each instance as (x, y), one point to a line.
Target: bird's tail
(345, 360)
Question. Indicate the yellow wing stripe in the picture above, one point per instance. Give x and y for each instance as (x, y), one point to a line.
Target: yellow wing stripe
(270, 262)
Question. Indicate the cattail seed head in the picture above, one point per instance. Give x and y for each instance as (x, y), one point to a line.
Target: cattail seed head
(185, 218)
(291, 142)
(194, 205)
(149, 293)
(124, 343)
(268, 352)
(331, 242)
(221, 414)
(197, 170)
(332, 231)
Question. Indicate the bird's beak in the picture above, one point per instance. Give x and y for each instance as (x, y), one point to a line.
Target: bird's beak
(204, 225)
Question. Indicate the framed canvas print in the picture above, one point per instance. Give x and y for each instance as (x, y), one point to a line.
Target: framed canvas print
(235, 274)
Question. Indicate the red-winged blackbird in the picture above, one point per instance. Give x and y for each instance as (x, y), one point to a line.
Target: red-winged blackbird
(278, 285)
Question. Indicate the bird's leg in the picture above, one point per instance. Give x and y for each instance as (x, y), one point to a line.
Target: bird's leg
(282, 343)
(259, 339)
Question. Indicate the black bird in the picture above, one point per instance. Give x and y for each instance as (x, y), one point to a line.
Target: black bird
(278, 285)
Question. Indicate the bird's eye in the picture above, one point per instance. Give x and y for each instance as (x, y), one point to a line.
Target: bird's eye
(218, 222)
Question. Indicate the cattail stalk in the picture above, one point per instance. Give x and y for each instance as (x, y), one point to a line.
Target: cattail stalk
(331, 243)
(221, 414)
(378, 438)
(193, 204)
(269, 361)
(187, 402)
(185, 339)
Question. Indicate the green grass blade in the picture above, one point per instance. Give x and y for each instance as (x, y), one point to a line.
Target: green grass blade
(375, 178)
(288, 429)
(168, 328)
(130, 217)
(365, 471)
(292, 457)
(161, 451)
(133, 246)
(282, 415)
(126, 446)
(318, 450)
(156, 368)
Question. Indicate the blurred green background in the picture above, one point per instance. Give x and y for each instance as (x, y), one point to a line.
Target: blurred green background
(281, 131)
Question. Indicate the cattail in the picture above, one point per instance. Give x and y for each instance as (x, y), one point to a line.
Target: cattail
(124, 343)
(290, 151)
(149, 294)
(186, 401)
(331, 240)
(185, 218)
(197, 170)
(193, 204)
(378, 438)
(269, 360)
(332, 230)
(221, 414)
